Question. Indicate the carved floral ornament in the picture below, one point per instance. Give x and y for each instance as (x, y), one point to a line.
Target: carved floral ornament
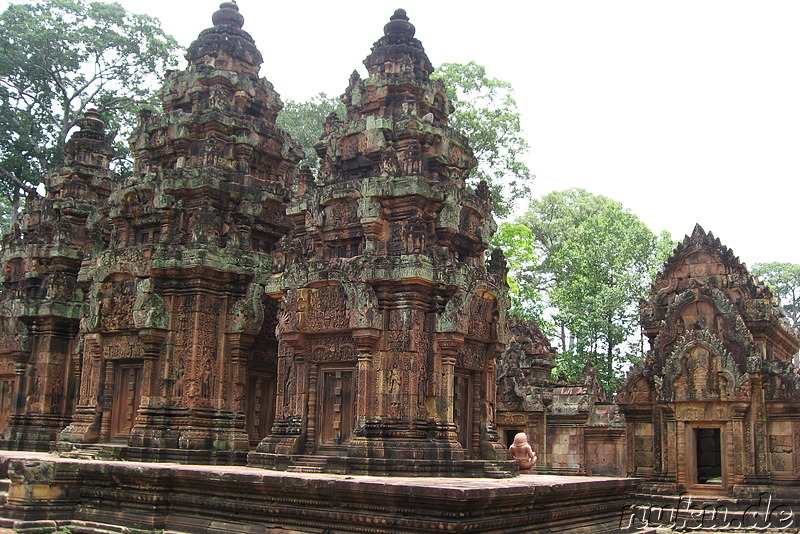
(737, 381)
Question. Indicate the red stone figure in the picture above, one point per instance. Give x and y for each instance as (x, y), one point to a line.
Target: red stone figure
(522, 452)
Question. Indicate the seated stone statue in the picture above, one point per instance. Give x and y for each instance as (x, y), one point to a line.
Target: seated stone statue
(521, 451)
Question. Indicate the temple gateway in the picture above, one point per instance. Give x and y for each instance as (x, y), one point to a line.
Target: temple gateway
(714, 409)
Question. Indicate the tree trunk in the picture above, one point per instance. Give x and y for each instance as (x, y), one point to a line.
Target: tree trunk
(15, 200)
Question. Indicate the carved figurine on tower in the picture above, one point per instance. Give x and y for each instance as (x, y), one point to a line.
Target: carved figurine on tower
(390, 320)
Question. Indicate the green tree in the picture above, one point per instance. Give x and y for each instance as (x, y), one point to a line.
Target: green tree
(59, 58)
(595, 261)
(784, 280)
(304, 121)
(524, 279)
(486, 112)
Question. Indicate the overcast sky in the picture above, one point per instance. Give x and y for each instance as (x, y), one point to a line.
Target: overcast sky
(685, 111)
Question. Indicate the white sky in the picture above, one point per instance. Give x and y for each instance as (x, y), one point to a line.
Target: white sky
(685, 111)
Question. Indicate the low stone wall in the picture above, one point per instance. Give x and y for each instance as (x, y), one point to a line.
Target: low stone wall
(93, 496)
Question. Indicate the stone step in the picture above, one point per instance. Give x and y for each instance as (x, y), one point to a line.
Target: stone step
(304, 469)
(308, 464)
(109, 452)
(5, 484)
(310, 460)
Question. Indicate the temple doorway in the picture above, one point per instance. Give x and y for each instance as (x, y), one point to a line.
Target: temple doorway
(260, 405)
(127, 398)
(462, 410)
(709, 456)
(336, 406)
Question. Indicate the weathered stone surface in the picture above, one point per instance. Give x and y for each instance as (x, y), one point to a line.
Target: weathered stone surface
(177, 329)
(212, 499)
(714, 406)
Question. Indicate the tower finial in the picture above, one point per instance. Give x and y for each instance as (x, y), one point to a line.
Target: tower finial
(228, 15)
(399, 26)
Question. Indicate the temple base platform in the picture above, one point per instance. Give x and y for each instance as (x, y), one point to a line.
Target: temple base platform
(46, 493)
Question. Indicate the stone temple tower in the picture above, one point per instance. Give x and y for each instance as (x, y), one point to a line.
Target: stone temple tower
(42, 305)
(390, 320)
(179, 346)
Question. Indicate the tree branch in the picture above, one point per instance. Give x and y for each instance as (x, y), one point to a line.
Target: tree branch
(19, 183)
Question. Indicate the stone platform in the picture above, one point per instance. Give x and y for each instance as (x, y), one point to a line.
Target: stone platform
(46, 492)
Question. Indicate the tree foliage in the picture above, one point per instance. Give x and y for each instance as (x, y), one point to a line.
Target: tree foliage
(524, 279)
(784, 280)
(594, 261)
(486, 112)
(59, 58)
(304, 121)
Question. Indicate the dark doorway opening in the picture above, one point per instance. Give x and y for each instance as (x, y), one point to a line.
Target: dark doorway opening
(509, 434)
(709, 456)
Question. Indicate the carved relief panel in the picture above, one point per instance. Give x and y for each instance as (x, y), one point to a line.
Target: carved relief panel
(6, 394)
(322, 309)
(470, 223)
(341, 214)
(483, 318)
(700, 379)
(116, 299)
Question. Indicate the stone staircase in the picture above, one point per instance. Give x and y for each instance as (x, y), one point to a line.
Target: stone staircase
(307, 464)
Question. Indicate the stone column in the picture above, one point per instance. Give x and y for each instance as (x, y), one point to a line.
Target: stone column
(311, 407)
(682, 455)
(238, 344)
(446, 409)
(365, 339)
(86, 420)
(736, 448)
(20, 386)
(107, 399)
(152, 342)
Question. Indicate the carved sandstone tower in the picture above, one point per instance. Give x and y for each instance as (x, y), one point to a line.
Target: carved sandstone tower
(390, 321)
(714, 407)
(180, 351)
(42, 305)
